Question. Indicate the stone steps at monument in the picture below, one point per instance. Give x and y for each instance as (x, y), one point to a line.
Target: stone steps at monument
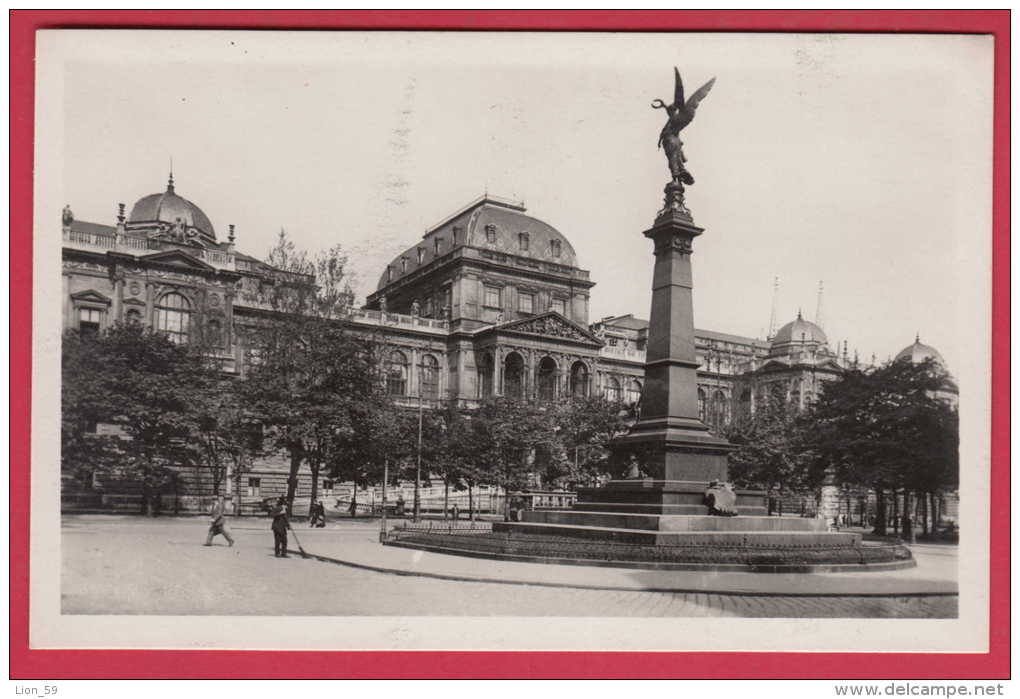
(736, 538)
(674, 523)
(658, 508)
(640, 508)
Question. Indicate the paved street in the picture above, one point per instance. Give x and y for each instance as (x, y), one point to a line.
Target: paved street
(130, 565)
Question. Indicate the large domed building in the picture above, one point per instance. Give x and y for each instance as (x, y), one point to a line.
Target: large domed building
(492, 301)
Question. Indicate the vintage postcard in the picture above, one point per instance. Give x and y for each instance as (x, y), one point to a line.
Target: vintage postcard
(511, 341)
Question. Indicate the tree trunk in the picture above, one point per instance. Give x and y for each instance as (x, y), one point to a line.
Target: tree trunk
(471, 502)
(922, 499)
(354, 500)
(895, 512)
(446, 496)
(880, 512)
(316, 466)
(292, 478)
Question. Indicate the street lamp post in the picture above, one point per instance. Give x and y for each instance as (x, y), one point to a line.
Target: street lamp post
(417, 475)
(385, 478)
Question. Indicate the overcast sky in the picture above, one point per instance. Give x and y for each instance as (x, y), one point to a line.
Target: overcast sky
(860, 161)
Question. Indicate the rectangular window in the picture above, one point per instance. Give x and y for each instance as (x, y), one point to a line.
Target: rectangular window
(254, 487)
(89, 320)
(492, 297)
(421, 255)
(560, 306)
(526, 303)
(525, 240)
(439, 245)
(490, 233)
(557, 248)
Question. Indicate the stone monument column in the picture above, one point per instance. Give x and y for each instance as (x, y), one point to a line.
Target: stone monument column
(670, 440)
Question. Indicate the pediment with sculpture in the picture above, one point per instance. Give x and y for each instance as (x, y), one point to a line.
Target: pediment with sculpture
(551, 325)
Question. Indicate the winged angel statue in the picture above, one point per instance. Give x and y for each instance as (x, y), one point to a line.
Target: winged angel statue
(680, 114)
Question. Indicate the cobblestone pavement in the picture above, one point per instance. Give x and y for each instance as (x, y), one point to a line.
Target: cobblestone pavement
(128, 565)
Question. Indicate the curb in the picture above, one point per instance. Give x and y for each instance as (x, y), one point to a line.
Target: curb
(639, 565)
(582, 586)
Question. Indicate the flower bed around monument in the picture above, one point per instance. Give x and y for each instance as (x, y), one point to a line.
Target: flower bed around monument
(481, 541)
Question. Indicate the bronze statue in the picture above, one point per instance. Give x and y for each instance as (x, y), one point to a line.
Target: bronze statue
(681, 113)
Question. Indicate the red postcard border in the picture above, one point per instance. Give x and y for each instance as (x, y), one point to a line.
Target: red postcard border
(27, 663)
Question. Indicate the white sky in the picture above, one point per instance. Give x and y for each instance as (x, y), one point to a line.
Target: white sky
(863, 161)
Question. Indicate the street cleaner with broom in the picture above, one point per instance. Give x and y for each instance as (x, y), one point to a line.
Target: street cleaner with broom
(280, 527)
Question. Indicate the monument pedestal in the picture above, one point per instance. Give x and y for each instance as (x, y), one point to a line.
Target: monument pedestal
(673, 453)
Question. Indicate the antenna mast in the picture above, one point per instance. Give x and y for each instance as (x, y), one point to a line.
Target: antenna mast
(818, 308)
(772, 316)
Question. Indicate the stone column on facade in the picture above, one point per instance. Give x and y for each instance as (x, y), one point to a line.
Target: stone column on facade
(117, 308)
(497, 371)
(414, 389)
(228, 319)
(150, 298)
(67, 308)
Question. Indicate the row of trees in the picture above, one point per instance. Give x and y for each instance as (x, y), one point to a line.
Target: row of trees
(313, 391)
(886, 429)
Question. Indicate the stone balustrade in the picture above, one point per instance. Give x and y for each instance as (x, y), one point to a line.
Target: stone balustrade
(119, 242)
(625, 353)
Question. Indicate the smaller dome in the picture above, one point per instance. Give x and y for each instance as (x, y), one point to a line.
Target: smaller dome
(168, 207)
(800, 330)
(918, 352)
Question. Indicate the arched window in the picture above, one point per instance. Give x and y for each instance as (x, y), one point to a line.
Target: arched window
(214, 333)
(745, 402)
(486, 370)
(429, 377)
(133, 317)
(396, 374)
(701, 405)
(720, 408)
(613, 389)
(547, 373)
(777, 394)
(513, 376)
(633, 394)
(173, 316)
(579, 380)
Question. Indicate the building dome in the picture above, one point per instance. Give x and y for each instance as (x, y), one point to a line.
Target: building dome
(491, 224)
(800, 330)
(168, 207)
(918, 352)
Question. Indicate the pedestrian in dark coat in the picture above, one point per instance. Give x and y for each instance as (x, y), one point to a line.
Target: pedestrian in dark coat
(218, 522)
(318, 515)
(280, 526)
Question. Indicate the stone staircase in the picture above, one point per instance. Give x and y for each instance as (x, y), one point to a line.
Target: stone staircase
(672, 513)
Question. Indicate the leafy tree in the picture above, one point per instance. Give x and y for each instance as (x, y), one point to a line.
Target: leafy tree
(769, 450)
(230, 436)
(150, 388)
(583, 429)
(506, 433)
(886, 429)
(309, 372)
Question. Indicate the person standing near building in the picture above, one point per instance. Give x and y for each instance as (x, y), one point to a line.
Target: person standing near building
(280, 526)
(218, 522)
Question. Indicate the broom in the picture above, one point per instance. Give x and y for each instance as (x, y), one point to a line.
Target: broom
(297, 541)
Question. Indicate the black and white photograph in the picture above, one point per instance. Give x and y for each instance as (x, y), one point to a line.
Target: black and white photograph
(499, 340)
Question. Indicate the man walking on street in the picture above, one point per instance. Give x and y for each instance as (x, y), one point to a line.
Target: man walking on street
(218, 522)
(280, 525)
